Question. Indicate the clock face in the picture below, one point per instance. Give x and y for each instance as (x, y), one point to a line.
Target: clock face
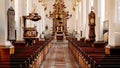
(92, 21)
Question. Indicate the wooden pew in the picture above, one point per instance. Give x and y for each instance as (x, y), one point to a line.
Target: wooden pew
(27, 57)
(95, 57)
(106, 61)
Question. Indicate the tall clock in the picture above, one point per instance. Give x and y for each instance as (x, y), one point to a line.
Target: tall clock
(92, 21)
(92, 26)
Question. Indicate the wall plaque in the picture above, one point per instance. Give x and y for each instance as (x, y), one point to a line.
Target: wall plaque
(11, 24)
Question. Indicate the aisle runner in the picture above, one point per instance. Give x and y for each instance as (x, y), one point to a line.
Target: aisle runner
(59, 57)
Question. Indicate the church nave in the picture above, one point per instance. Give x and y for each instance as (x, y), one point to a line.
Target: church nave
(59, 56)
(59, 33)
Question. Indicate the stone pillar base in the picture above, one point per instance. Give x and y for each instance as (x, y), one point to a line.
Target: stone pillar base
(10, 49)
(110, 50)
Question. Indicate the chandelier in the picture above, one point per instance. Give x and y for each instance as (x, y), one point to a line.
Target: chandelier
(75, 3)
(59, 12)
(44, 3)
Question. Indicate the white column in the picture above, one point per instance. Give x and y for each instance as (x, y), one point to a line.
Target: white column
(87, 26)
(4, 5)
(114, 29)
(81, 19)
(21, 7)
(23, 13)
(99, 8)
(117, 24)
(43, 18)
(110, 15)
(84, 17)
(97, 20)
(18, 19)
(41, 23)
(76, 18)
(113, 16)
(29, 6)
(102, 17)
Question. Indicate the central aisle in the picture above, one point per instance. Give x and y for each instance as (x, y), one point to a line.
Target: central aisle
(59, 57)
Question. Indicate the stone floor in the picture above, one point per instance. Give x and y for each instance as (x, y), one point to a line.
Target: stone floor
(59, 57)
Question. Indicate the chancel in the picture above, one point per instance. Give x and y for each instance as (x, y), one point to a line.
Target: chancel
(59, 33)
(59, 16)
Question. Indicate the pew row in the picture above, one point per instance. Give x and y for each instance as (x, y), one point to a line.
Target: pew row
(27, 57)
(92, 57)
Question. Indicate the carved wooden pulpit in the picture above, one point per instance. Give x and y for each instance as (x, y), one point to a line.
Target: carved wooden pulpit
(30, 33)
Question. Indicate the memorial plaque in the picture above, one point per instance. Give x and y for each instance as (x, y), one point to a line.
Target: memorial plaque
(11, 24)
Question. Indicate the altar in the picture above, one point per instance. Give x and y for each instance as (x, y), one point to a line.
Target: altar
(59, 17)
(59, 36)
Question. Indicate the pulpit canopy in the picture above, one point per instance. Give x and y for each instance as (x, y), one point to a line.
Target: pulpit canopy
(33, 16)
